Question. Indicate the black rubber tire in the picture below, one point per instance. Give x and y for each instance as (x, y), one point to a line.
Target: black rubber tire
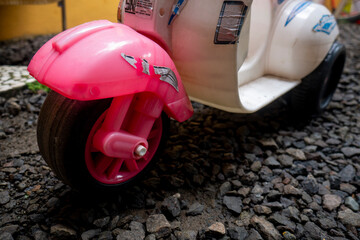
(315, 92)
(351, 19)
(63, 128)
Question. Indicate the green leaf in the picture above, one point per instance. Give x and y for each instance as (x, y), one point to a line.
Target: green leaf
(36, 86)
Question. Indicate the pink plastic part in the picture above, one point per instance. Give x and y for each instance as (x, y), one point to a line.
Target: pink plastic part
(129, 122)
(87, 63)
(118, 144)
(117, 113)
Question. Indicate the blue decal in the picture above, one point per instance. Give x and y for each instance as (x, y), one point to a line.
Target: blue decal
(296, 10)
(326, 24)
(280, 1)
(176, 10)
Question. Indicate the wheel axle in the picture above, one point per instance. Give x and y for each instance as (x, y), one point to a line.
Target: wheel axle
(140, 151)
(120, 144)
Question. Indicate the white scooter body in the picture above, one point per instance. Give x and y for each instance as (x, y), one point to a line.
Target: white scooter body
(280, 42)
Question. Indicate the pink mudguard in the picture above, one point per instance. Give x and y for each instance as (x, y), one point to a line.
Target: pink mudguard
(101, 59)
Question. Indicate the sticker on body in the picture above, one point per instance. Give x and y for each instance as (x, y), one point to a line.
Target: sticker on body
(326, 24)
(143, 8)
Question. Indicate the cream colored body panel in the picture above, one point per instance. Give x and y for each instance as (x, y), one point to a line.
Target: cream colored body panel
(268, 60)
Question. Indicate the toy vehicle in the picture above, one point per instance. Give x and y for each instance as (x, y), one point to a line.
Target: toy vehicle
(116, 84)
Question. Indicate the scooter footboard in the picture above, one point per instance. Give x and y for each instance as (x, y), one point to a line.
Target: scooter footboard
(101, 59)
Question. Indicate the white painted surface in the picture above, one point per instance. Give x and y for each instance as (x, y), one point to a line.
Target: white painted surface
(268, 60)
(260, 92)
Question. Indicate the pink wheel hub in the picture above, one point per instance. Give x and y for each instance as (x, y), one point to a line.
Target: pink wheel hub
(124, 139)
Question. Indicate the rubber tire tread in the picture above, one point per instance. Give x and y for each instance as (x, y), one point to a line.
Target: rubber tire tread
(63, 127)
(305, 98)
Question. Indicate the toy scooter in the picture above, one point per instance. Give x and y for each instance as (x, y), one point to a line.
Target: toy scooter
(115, 85)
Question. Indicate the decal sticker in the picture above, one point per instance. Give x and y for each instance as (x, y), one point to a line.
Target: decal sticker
(177, 9)
(231, 20)
(167, 75)
(296, 10)
(326, 24)
(131, 60)
(145, 66)
(130, 6)
(142, 8)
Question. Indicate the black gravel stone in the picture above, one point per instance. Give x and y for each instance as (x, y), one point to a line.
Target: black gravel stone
(238, 233)
(310, 185)
(158, 225)
(171, 207)
(107, 235)
(312, 231)
(254, 235)
(282, 220)
(89, 234)
(187, 235)
(234, 204)
(334, 182)
(102, 222)
(195, 209)
(6, 236)
(272, 162)
(347, 174)
(4, 197)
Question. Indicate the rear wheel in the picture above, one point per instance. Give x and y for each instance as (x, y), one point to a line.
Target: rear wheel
(315, 92)
(65, 134)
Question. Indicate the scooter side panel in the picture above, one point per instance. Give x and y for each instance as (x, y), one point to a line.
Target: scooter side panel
(298, 44)
(208, 69)
(101, 59)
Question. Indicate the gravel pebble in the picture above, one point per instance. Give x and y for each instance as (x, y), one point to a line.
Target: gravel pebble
(352, 204)
(331, 201)
(6, 236)
(216, 230)
(347, 174)
(158, 225)
(265, 227)
(310, 185)
(60, 231)
(296, 153)
(171, 207)
(4, 197)
(87, 235)
(101, 222)
(195, 209)
(233, 203)
(312, 231)
(238, 233)
(350, 151)
(348, 217)
(186, 235)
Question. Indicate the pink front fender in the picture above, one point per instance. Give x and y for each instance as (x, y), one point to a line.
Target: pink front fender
(101, 59)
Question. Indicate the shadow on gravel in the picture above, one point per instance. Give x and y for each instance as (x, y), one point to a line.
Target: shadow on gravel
(201, 153)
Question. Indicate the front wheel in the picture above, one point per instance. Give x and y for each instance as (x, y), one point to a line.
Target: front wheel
(65, 134)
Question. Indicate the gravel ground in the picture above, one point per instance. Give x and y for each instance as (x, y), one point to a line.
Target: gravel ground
(20, 51)
(223, 176)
